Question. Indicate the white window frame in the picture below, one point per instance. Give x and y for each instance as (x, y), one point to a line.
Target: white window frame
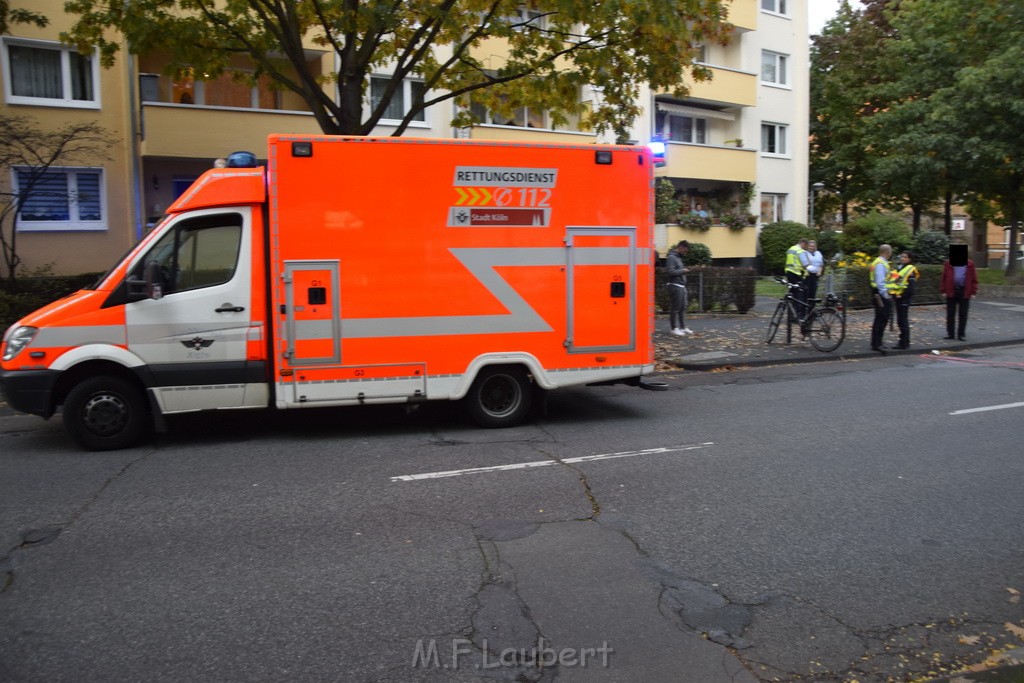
(780, 66)
(406, 100)
(775, 7)
(778, 206)
(73, 224)
(781, 135)
(66, 99)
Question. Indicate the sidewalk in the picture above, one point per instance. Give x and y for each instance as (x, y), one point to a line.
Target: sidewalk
(722, 340)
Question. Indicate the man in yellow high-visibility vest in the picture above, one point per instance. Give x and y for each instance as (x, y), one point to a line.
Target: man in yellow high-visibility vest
(901, 286)
(796, 269)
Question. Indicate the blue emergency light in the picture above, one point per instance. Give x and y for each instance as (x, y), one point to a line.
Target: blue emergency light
(657, 147)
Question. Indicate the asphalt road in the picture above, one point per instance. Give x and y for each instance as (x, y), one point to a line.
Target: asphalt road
(833, 521)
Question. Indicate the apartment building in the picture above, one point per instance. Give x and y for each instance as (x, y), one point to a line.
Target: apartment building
(741, 134)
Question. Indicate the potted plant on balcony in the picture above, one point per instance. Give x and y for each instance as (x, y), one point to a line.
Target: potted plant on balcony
(695, 221)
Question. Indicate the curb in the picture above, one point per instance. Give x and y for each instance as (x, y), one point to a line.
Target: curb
(831, 356)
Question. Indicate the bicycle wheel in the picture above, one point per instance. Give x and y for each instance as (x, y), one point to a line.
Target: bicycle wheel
(773, 324)
(826, 329)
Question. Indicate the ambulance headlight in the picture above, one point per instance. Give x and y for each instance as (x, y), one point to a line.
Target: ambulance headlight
(17, 339)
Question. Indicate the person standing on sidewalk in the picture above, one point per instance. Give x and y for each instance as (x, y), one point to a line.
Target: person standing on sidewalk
(880, 296)
(677, 300)
(815, 267)
(904, 281)
(959, 283)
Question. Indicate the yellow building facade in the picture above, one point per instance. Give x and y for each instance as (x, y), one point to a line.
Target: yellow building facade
(167, 130)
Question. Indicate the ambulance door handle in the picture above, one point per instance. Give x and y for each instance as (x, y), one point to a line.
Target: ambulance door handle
(228, 308)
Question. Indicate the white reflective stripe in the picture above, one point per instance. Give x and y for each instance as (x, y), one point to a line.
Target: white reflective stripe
(78, 335)
(481, 262)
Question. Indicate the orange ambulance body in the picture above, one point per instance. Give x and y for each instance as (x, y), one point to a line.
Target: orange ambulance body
(355, 270)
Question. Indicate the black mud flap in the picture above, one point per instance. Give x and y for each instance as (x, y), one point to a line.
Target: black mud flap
(639, 381)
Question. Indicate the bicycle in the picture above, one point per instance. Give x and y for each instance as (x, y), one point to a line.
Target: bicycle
(824, 326)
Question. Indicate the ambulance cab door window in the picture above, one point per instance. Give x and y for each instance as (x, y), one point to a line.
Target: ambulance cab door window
(192, 327)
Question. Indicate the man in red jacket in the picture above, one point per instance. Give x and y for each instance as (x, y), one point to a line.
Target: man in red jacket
(959, 284)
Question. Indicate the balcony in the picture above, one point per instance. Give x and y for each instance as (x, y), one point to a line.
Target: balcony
(193, 132)
(743, 14)
(727, 87)
(707, 162)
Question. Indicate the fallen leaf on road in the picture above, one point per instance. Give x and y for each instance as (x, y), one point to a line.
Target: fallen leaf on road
(1015, 630)
(970, 640)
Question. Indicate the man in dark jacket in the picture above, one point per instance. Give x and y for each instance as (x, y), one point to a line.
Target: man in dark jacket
(676, 271)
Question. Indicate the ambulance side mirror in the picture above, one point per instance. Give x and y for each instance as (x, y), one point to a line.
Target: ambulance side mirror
(150, 287)
(154, 281)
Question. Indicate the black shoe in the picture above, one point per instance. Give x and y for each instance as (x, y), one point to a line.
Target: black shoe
(948, 336)
(961, 338)
(880, 349)
(903, 346)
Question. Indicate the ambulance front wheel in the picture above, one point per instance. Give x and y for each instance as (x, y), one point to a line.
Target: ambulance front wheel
(105, 413)
(500, 397)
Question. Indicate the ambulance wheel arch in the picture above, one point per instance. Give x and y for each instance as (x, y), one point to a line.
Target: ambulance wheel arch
(105, 406)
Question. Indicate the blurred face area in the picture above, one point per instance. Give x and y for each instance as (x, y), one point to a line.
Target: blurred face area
(812, 246)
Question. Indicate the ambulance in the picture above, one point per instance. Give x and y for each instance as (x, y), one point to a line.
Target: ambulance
(359, 270)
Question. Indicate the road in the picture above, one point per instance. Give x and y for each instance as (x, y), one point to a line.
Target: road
(827, 522)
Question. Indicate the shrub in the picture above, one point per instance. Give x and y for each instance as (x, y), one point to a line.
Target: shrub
(775, 239)
(698, 255)
(931, 247)
(867, 232)
(666, 207)
(828, 243)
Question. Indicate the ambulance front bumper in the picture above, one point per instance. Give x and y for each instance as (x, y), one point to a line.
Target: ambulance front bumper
(29, 391)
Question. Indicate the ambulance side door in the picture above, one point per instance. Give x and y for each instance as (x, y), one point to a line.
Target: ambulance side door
(193, 329)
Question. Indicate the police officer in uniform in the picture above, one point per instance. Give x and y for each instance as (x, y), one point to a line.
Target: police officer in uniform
(796, 270)
(902, 285)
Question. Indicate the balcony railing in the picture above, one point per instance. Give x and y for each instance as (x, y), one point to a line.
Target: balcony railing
(170, 130)
(707, 162)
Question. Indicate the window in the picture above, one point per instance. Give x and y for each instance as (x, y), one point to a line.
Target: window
(401, 102)
(774, 6)
(773, 207)
(773, 68)
(50, 74)
(525, 17)
(60, 199)
(773, 139)
(686, 129)
(201, 252)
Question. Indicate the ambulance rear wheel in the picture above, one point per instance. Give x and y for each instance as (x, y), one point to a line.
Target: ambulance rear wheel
(500, 397)
(105, 413)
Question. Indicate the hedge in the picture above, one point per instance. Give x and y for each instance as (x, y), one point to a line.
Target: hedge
(858, 285)
(721, 289)
(36, 292)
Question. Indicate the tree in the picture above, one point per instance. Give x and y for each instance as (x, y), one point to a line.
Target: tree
(30, 153)
(962, 77)
(15, 15)
(553, 48)
(846, 69)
